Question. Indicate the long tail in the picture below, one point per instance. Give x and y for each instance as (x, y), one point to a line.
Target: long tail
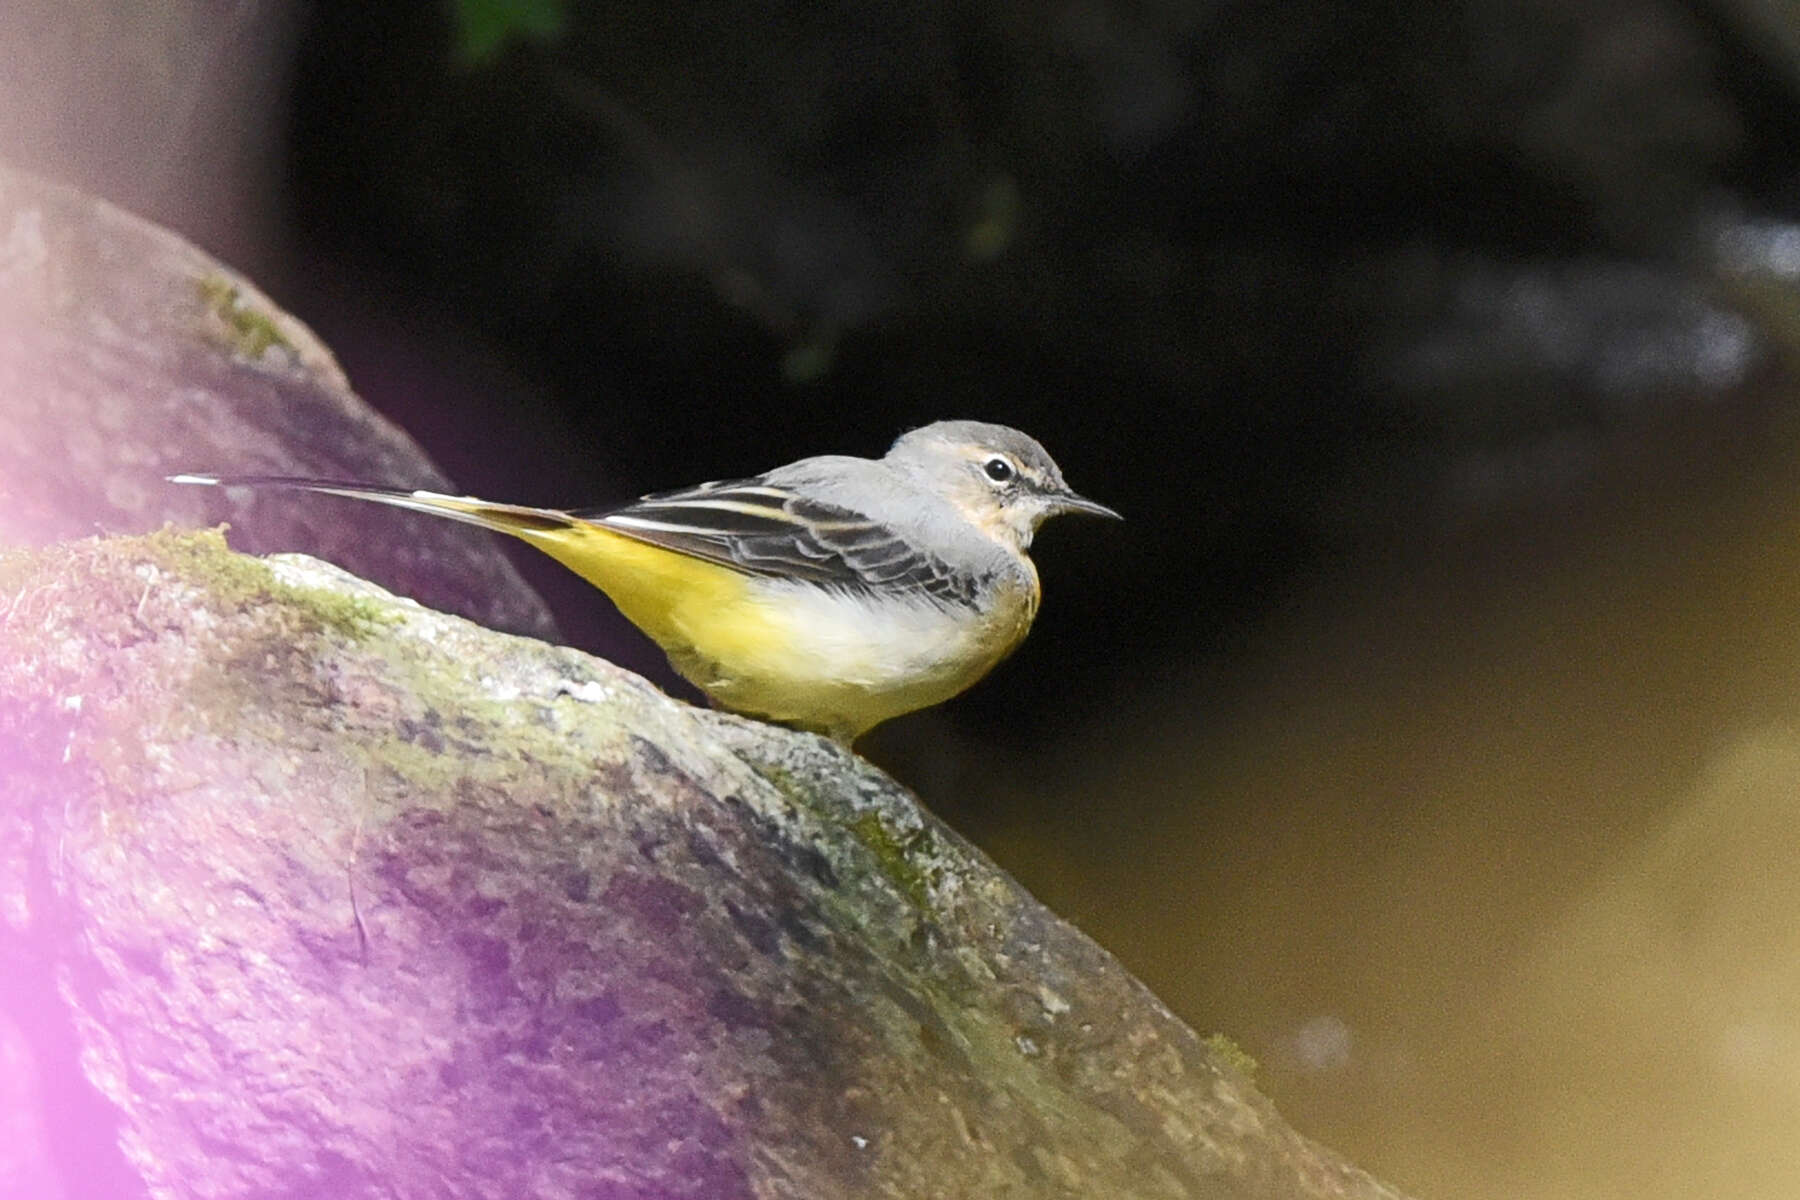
(515, 519)
(664, 591)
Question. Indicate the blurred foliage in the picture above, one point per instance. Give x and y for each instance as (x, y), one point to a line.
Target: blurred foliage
(484, 27)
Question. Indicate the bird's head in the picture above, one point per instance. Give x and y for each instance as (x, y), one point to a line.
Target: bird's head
(1001, 479)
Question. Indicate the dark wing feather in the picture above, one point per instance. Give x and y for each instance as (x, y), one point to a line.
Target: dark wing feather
(765, 529)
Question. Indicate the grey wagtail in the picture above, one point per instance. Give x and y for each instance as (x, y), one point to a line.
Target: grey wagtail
(830, 594)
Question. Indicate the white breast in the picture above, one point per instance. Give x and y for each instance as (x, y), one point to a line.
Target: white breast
(841, 662)
(875, 643)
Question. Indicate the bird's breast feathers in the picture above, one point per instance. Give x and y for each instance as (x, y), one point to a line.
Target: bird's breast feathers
(838, 657)
(844, 660)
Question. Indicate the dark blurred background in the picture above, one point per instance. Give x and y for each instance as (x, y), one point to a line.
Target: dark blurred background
(1431, 726)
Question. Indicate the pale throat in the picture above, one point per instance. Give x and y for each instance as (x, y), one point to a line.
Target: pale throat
(1011, 528)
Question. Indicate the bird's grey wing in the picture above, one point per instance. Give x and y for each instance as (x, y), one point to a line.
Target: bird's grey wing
(765, 528)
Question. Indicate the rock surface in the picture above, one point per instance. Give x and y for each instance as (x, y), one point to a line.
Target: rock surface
(126, 354)
(332, 895)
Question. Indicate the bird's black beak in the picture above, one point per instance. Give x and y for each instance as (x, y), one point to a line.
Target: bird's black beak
(1069, 502)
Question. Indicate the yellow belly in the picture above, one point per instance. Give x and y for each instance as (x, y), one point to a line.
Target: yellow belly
(835, 662)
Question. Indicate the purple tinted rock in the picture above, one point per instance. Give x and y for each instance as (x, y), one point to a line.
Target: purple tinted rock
(557, 952)
(126, 354)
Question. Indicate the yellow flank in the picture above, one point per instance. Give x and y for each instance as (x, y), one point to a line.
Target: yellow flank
(821, 659)
(679, 600)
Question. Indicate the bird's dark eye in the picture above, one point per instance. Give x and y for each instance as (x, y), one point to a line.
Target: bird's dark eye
(998, 469)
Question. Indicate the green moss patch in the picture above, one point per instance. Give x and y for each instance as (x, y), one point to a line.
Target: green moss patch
(1233, 1055)
(908, 861)
(235, 321)
(104, 580)
(232, 580)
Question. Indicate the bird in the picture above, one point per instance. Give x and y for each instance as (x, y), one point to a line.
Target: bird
(830, 594)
